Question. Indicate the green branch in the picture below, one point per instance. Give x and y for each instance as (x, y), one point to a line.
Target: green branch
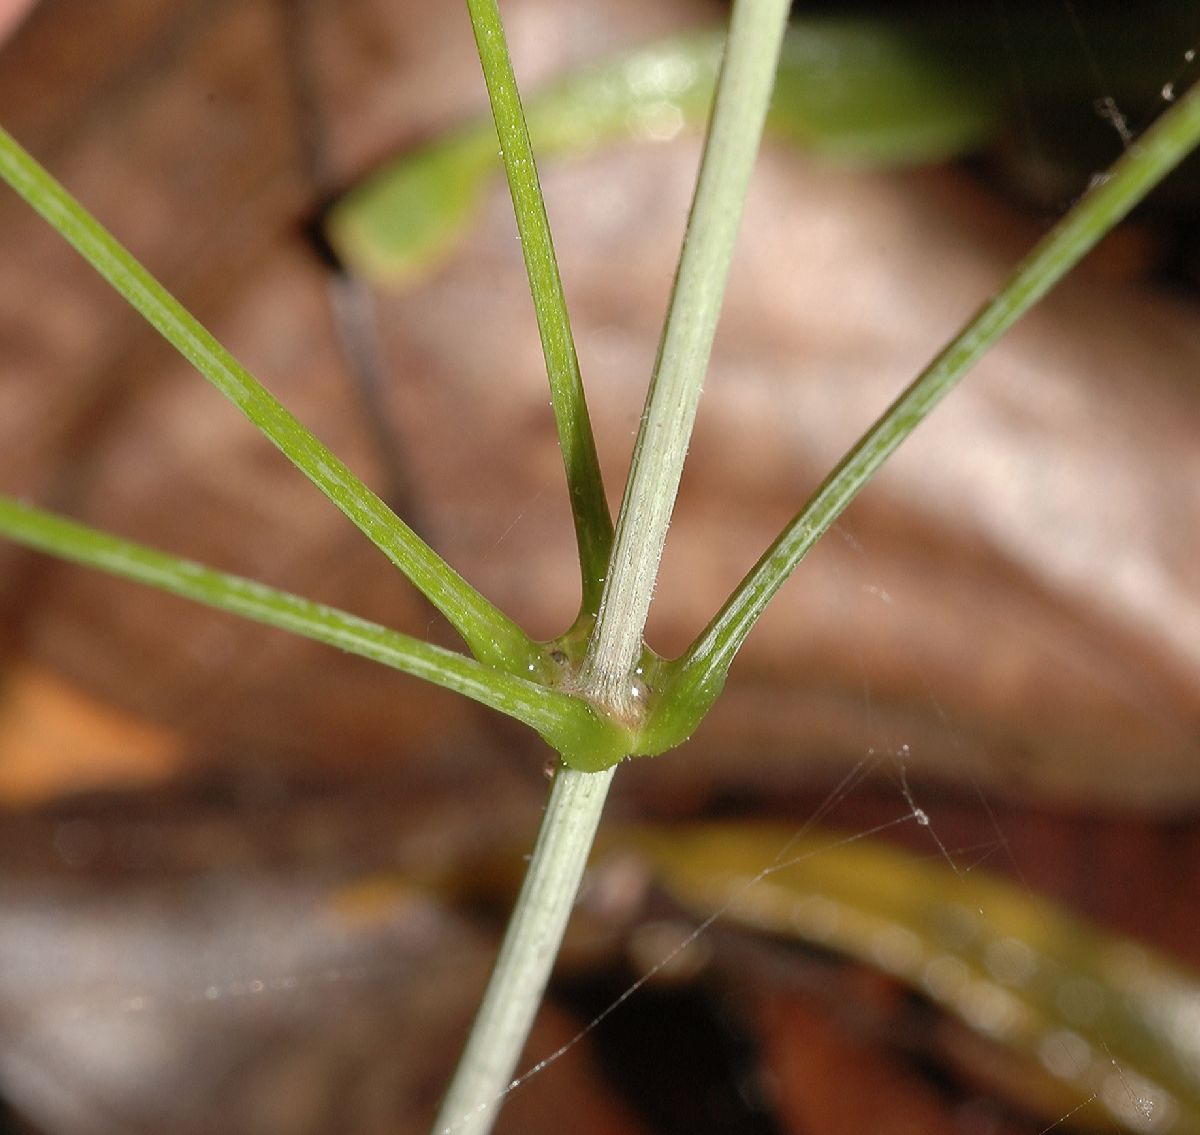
(589, 508)
(564, 721)
(689, 685)
(491, 635)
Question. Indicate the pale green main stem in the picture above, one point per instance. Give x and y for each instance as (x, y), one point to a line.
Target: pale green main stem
(486, 1068)
(743, 94)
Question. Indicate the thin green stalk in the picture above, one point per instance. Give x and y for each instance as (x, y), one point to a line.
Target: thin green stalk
(589, 507)
(492, 636)
(740, 108)
(690, 684)
(568, 828)
(564, 721)
(510, 1003)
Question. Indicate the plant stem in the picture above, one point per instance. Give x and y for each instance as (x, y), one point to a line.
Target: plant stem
(531, 942)
(492, 636)
(696, 678)
(572, 815)
(740, 108)
(589, 508)
(563, 720)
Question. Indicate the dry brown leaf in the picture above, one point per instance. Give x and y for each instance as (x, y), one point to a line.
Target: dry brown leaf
(56, 741)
